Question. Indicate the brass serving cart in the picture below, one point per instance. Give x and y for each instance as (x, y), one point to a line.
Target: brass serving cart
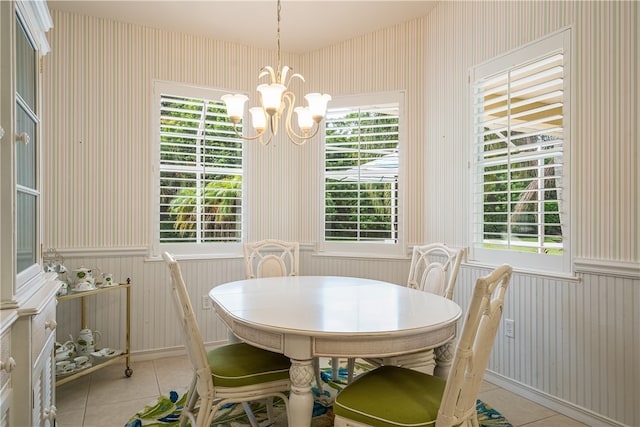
(126, 354)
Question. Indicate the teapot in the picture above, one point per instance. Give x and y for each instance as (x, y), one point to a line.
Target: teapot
(66, 350)
(86, 342)
(81, 275)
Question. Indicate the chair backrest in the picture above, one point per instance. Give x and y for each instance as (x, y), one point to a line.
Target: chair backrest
(193, 339)
(434, 268)
(474, 347)
(271, 258)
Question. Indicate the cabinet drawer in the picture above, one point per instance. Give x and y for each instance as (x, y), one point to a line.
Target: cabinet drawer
(42, 326)
(5, 353)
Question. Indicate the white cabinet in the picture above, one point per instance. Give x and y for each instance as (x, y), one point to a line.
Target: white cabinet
(44, 410)
(34, 375)
(7, 366)
(27, 294)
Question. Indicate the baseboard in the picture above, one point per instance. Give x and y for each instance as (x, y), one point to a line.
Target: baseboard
(563, 407)
(159, 353)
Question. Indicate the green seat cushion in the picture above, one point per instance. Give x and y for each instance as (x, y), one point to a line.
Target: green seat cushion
(390, 396)
(241, 364)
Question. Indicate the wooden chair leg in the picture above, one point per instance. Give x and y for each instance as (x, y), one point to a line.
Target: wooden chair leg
(351, 366)
(335, 368)
(316, 370)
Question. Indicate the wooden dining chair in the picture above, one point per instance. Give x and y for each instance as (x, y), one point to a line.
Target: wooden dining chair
(271, 258)
(434, 268)
(234, 373)
(397, 396)
(276, 258)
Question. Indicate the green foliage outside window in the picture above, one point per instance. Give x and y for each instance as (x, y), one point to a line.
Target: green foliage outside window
(360, 203)
(201, 173)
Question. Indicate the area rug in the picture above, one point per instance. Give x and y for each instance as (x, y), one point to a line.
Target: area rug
(165, 411)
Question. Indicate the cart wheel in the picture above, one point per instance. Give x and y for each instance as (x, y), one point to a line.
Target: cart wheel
(128, 372)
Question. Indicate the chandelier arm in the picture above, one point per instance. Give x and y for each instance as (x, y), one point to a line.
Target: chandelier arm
(249, 138)
(290, 99)
(291, 134)
(268, 140)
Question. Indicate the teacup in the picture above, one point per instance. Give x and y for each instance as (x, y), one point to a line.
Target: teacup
(84, 286)
(80, 361)
(107, 279)
(63, 289)
(63, 355)
(61, 366)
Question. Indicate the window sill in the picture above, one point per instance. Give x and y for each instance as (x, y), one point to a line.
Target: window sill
(196, 257)
(528, 271)
(360, 256)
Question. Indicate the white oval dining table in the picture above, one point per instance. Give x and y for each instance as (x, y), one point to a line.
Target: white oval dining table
(304, 317)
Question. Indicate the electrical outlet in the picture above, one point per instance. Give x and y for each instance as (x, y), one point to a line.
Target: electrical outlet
(206, 302)
(509, 328)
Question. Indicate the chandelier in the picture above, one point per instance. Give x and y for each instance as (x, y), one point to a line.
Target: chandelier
(275, 98)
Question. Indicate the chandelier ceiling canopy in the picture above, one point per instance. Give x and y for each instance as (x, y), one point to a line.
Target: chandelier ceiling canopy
(275, 98)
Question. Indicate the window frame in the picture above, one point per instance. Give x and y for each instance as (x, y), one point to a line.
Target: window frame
(359, 248)
(559, 41)
(186, 250)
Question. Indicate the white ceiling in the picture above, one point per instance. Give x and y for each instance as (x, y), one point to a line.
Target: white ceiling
(306, 25)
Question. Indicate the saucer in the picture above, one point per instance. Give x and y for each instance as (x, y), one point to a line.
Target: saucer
(109, 286)
(105, 354)
(75, 370)
(83, 290)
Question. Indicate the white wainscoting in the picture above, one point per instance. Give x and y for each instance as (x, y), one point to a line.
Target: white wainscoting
(576, 345)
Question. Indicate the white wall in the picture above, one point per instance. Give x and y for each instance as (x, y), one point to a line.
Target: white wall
(577, 341)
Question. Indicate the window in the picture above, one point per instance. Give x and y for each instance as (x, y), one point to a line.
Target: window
(199, 170)
(520, 106)
(362, 182)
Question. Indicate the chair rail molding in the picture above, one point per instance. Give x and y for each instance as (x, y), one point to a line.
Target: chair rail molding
(624, 269)
(104, 252)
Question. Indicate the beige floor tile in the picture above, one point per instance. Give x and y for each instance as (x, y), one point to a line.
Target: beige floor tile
(517, 410)
(70, 418)
(73, 395)
(486, 386)
(122, 390)
(114, 414)
(106, 389)
(556, 421)
(117, 370)
(173, 373)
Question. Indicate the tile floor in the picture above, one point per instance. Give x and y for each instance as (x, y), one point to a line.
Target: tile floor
(107, 398)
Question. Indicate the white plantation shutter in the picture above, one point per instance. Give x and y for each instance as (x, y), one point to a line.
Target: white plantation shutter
(362, 174)
(520, 130)
(200, 172)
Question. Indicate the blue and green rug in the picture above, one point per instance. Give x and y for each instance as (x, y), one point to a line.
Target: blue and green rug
(165, 411)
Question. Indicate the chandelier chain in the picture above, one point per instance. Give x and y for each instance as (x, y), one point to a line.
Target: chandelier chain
(278, 37)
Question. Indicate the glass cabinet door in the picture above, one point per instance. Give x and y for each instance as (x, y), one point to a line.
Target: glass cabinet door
(27, 146)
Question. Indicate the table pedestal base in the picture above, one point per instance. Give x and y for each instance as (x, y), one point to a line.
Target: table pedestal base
(301, 397)
(444, 359)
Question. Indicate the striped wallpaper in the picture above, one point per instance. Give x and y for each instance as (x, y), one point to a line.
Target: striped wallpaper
(577, 341)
